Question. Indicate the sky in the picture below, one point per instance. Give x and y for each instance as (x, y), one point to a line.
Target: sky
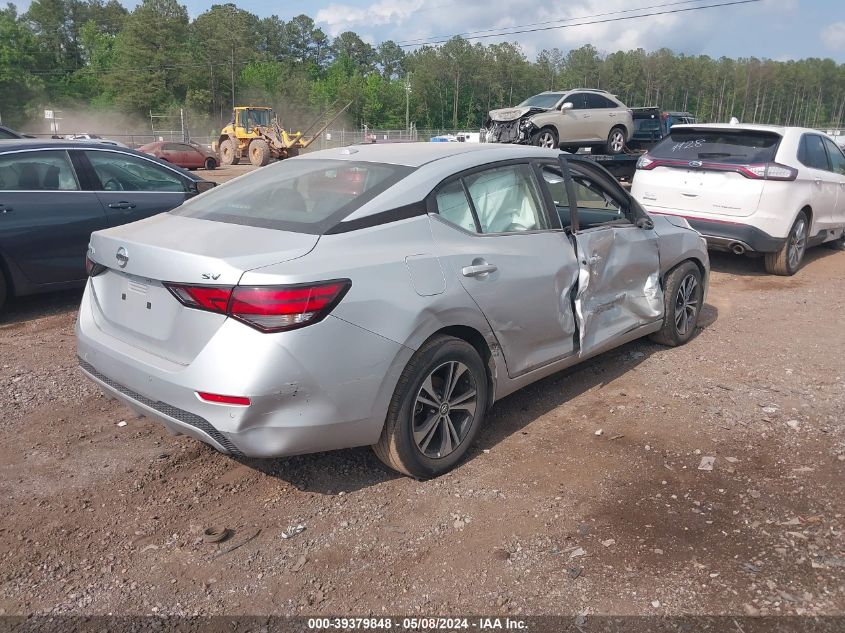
(775, 29)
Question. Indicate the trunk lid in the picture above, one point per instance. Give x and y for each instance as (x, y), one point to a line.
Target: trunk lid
(698, 191)
(130, 300)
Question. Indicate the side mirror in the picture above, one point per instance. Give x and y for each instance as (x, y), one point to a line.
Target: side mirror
(567, 106)
(645, 223)
(201, 186)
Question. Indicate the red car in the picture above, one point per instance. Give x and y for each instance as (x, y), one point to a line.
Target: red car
(184, 155)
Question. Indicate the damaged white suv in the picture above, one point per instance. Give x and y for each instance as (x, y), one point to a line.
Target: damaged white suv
(568, 119)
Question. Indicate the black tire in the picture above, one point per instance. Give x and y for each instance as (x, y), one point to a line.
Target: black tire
(4, 289)
(787, 260)
(229, 152)
(545, 137)
(210, 163)
(615, 141)
(681, 305)
(259, 152)
(398, 448)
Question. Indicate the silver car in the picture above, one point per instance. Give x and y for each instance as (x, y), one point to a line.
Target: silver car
(382, 295)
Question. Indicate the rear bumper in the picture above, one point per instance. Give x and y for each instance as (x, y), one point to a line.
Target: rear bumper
(732, 236)
(319, 388)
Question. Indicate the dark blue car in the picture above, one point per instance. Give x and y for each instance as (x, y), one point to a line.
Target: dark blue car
(53, 194)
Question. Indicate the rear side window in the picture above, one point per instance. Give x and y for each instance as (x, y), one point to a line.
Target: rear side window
(812, 152)
(49, 170)
(452, 205)
(301, 195)
(738, 147)
(506, 199)
(837, 158)
(124, 172)
(595, 101)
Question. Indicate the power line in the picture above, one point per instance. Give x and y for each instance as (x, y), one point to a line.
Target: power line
(421, 40)
(569, 26)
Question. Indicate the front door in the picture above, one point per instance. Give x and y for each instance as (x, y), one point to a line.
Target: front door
(619, 288)
(46, 218)
(132, 188)
(837, 166)
(496, 238)
(824, 183)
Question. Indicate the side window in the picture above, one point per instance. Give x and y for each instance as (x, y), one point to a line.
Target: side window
(837, 158)
(123, 172)
(557, 187)
(506, 199)
(452, 205)
(50, 170)
(595, 205)
(812, 152)
(577, 100)
(595, 101)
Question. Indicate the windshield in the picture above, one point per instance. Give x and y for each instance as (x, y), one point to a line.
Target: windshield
(545, 100)
(251, 118)
(299, 195)
(740, 147)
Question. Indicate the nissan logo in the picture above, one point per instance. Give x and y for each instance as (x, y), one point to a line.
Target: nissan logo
(695, 163)
(122, 257)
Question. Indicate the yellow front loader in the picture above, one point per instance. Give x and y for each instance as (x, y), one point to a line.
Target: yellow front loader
(255, 132)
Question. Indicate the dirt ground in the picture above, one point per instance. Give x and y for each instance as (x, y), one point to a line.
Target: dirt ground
(546, 516)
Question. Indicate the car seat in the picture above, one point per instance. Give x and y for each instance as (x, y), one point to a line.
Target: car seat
(28, 177)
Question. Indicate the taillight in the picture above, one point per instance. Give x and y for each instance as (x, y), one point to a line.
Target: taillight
(769, 171)
(646, 162)
(277, 308)
(266, 308)
(92, 268)
(211, 298)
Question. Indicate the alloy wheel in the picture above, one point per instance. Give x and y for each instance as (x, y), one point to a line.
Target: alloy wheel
(797, 243)
(444, 409)
(617, 141)
(547, 140)
(686, 304)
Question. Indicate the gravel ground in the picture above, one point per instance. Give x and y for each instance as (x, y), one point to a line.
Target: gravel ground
(546, 516)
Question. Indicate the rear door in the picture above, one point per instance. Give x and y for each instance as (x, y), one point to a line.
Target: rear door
(619, 287)
(837, 165)
(46, 217)
(823, 181)
(603, 115)
(130, 187)
(512, 259)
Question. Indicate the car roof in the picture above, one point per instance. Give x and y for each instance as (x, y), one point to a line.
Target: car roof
(8, 145)
(419, 154)
(754, 127)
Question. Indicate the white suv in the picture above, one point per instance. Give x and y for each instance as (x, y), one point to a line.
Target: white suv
(749, 188)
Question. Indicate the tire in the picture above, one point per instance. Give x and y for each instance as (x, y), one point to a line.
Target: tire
(229, 152)
(4, 289)
(615, 141)
(210, 163)
(787, 260)
(683, 294)
(546, 137)
(417, 439)
(259, 152)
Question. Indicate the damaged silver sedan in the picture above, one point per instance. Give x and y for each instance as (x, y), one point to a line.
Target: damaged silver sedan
(383, 295)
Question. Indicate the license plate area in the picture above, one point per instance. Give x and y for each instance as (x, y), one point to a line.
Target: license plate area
(136, 304)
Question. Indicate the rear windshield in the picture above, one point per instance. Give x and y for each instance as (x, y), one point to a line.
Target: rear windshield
(299, 195)
(542, 101)
(739, 147)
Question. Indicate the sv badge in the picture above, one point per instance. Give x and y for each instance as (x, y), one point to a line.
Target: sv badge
(212, 277)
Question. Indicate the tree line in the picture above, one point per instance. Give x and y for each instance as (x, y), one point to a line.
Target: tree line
(97, 55)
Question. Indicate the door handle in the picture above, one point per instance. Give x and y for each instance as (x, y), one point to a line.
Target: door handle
(5, 209)
(478, 270)
(121, 205)
(818, 181)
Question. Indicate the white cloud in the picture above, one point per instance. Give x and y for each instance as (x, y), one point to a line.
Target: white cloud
(343, 17)
(833, 36)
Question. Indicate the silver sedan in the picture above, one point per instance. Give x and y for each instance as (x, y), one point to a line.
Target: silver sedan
(382, 295)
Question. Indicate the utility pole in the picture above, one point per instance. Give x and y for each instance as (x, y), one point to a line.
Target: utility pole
(407, 102)
(233, 76)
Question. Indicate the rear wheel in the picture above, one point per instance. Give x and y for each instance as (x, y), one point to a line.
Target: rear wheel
(546, 137)
(436, 410)
(615, 141)
(259, 152)
(229, 152)
(210, 163)
(787, 260)
(683, 294)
